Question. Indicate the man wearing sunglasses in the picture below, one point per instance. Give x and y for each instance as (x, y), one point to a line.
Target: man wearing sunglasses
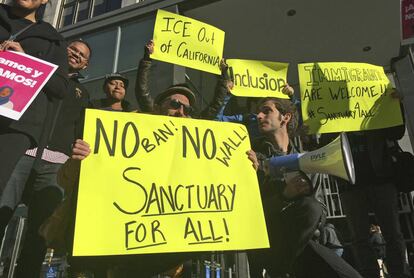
(177, 101)
(147, 104)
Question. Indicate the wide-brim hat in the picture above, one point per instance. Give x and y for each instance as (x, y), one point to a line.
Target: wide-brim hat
(176, 89)
(116, 76)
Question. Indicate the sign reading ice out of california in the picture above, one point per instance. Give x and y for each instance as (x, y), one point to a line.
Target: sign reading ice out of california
(156, 184)
(187, 42)
(21, 79)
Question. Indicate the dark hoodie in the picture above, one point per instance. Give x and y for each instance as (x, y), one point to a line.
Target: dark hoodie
(44, 42)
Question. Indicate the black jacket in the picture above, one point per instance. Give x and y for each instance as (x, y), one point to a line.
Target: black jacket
(44, 42)
(69, 119)
(104, 104)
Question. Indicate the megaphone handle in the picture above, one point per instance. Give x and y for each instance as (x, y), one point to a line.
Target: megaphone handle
(286, 161)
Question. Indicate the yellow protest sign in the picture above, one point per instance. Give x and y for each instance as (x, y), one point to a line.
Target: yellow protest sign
(257, 78)
(346, 97)
(155, 184)
(187, 42)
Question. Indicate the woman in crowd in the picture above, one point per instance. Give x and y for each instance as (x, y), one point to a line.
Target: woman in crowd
(21, 31)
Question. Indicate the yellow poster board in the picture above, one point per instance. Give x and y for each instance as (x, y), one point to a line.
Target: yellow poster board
(156, 184)
(187, 42)
(346, 97)
(258, 78)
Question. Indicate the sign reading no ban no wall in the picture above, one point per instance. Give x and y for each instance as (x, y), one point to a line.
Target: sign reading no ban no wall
(155, 184)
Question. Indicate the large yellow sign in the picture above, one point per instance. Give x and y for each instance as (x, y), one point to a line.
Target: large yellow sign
(257, 78)
(187, 42)
(346, 97)
(155, 184)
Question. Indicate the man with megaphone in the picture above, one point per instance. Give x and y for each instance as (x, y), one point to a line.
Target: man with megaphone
(292, 214)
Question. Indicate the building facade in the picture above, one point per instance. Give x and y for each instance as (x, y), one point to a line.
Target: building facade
(117, 31)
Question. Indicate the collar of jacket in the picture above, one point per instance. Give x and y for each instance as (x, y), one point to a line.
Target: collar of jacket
(264, 146)
(76, 76)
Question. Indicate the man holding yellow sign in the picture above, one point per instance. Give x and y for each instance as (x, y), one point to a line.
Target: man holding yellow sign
(179, 209)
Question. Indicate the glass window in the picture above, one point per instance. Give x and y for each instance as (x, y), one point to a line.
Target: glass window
(99, 7)
(67, 16)
(113, 5)
(83, 11)
(133, 38)
(103, 49)
(102, 6)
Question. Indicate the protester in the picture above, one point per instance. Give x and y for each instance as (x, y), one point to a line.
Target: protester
(292, 215)
(374, 190)
(21, 31)
(43, 193)
(378, 243)
(114, 87)
(249, 118)
(145, 100)
(329, 238)
(175, 101)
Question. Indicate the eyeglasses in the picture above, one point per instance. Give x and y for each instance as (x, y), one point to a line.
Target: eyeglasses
(176, 104)
(78, 53)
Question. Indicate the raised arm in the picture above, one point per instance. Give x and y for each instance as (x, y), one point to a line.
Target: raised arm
(142, 93)
(223, 87)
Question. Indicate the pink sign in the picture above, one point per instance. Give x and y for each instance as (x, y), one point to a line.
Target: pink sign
(407, 22)
(22, 77)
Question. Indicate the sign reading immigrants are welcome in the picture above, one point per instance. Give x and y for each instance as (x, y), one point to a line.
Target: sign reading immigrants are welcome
(346, 97)
(156, 184)
(187, 42)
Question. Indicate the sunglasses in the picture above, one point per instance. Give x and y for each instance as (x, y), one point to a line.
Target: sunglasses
(176, 104)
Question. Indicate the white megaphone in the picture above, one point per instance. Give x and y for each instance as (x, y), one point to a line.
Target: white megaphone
(333, 159)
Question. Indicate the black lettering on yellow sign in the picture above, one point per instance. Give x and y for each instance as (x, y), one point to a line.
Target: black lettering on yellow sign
(157, 200)
(177, 26)
(130, 135)
(264, 82)
(139, 235)
(317, 75)
(205, 231)
(226, 148)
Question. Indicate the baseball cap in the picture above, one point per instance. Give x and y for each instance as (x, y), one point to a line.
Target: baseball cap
(116, 76)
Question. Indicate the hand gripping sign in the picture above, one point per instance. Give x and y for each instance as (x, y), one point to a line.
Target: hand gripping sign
(156, 184)
(22, 77)
(187, 42)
